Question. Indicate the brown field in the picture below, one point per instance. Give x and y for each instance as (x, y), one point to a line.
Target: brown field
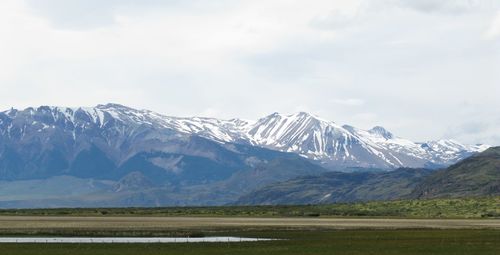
(166, 223)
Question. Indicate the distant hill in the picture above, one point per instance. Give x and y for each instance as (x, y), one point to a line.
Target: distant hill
(334, 187)
(136, 189)
(478, 175)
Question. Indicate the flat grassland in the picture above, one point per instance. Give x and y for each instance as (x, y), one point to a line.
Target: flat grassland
(443, 226)
(353, 242)
(297, 235)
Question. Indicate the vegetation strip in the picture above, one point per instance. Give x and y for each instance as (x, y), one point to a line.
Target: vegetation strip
(477, 207)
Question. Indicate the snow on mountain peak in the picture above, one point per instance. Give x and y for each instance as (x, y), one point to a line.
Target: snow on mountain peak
(113, 105)
(378, 130)
(301, 133)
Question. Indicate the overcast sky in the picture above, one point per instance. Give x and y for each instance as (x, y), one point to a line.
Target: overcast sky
(423, 69)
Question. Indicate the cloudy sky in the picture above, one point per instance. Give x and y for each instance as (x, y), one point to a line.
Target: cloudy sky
(423, 69)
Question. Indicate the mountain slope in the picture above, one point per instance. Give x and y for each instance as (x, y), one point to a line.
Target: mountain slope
(136, 189)
(110, 141)
(337, 187)
(478, 175)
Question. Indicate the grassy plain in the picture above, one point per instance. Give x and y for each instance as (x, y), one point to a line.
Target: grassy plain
(352, 242)
(205, 226)
(439, 226)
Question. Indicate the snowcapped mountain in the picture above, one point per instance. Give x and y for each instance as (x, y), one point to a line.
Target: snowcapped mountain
(110, 141)
(113, 155)
(120, 127)
(336, 145)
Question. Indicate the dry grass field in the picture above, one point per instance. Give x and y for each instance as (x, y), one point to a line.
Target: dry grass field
(72, 222)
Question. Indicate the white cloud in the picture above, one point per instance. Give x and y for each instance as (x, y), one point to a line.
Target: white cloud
(446, 6)
(91, 14)
(402, 68)
(494, 28)
(348, 101)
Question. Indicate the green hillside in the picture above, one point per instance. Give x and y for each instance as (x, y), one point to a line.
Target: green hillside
(335, 187)
(478, 175)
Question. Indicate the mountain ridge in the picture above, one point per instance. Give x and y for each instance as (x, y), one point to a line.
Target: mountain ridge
(301, 133)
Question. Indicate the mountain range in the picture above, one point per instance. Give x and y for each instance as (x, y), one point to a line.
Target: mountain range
(121, 132)
(117, 155)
